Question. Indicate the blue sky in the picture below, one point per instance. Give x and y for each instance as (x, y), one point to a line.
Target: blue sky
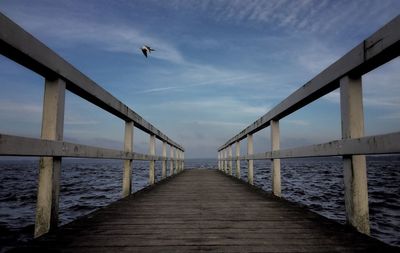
(219, 66)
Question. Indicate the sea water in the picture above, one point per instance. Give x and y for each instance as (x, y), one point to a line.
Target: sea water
(88, 184)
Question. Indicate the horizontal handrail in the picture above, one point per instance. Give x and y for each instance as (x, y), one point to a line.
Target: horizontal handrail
(346, 73)
(379, 48)
(23, 48)
(369, 145)
(23, 146)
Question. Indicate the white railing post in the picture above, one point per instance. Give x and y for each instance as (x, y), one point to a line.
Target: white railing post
(152, 152)
(171, 161)
(50, 167)
(250, 173)
(230, 160)
(175, 160)
(218, 161)
(276, 163)
(225, 161)
(164, 162)
(178, 160)
(354, 166)
(237, 159)
(222, 160)
(128, 147)
(183, 160)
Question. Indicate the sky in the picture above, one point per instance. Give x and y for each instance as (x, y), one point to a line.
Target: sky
(218, 67)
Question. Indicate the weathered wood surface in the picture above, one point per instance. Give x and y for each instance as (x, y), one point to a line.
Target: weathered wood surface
(11, 145)
(369, 145)
(204, 210)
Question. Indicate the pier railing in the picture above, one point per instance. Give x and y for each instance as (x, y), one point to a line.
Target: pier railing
(345, 74)
(21, 47)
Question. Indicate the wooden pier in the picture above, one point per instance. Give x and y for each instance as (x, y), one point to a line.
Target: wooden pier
(201, 210)
(204, 210)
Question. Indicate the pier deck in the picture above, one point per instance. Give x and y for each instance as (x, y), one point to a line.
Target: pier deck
(204, 210)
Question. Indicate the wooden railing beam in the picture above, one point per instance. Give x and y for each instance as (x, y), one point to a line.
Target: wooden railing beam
(11, 145)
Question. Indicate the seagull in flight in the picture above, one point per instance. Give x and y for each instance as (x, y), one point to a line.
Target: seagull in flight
(146, 50)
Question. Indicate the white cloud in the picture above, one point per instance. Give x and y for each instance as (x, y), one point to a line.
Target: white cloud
(217, 105)
(391, 116)
(80, 122)
(318, 16)
(333, 97)
(217, 123)
(195, 75)
(315, 56)
(390, 102)
(15, 107)
(386, 101)
(297, 122)
(380, 88)
(160, 89)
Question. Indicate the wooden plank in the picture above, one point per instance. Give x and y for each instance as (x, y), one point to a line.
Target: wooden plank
(23, 146)
(23, 48)
(201, 210)
(369, 145)
(376, 50)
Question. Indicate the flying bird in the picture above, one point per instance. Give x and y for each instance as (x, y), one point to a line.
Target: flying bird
(146, 50)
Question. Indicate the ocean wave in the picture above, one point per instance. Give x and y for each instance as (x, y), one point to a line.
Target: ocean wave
(88, 184)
